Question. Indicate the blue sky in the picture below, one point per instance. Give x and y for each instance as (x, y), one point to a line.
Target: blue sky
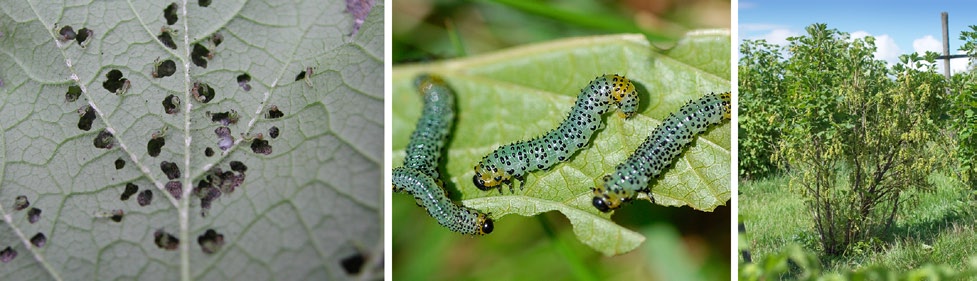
(900, 27)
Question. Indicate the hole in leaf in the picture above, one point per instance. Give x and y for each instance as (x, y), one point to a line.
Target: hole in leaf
(165, 240)
(199, 55)
(171, 104)
(211, 241)
(87, 116)
(170, 14)
(225, 140)
(301, 75)
(131, 189)
(117, 215)
(170, 169)
(209, 152)
(104, 140)
(243, 80)
(83, 35)
(175, 188)
(21, 203)
(261, 146)
(166, 37)
(7, 255)
(72, 94)
(207, 193)
(274, 112)
(273, 132)
(119, 163)
(164, 69)
(204, 3)
(144, 198)
(224, 118)
(156, 143)
(217, 38)
(202, 92)
(33, 215)
(353, 264)
(115, 83)
(39, 240)
(238, 166)
(359, 9)
(66, 33)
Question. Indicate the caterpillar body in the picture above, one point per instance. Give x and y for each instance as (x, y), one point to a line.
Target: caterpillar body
(419, 175)
(515, 160)
(659, 150)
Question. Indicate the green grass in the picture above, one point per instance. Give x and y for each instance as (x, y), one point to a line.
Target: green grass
(935, 227)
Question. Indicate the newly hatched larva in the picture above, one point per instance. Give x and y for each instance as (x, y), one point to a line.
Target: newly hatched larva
(659, 150)
(515, 160)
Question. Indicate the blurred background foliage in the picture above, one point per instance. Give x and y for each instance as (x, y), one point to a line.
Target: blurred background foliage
(682, 244)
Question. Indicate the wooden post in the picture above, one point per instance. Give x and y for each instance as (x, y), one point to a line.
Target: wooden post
(946, 46)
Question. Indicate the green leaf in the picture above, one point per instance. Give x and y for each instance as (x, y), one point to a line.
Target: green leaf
(524, 92)
(310, 203)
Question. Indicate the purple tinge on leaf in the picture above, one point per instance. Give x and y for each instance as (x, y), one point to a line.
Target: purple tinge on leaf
(360, 9)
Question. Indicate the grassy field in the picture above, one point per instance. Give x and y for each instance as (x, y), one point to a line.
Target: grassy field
(933, 228)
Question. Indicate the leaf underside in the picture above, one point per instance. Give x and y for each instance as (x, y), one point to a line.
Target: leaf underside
(310, 202)
(524, 92)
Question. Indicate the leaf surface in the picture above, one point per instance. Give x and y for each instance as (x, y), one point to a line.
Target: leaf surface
(302, 209)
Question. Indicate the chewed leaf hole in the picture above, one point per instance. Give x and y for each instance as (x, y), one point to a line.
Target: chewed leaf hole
(21, 203)
(238, 166)
(171, 104)
(164, 69)
(115, 83)
(204, 3)
(117, 215)
(145, 198)
(131, 189)
(170, 169)
(224, 138)
(211, 241)
(261, 146)
(217, 38)
(39, 240)
(207, 193)
(273, 132)
(155, 145)
(72, 94)
(202, 92)
(83, 35)
(200, 55)
(119, 163)
(274, 112)
(8, 254)
(175, 188)
(33, 215)
(87, 117)
(209, 152)
(353, 264)
(224, 118)
(166, 241)
(170, 13)
(104, 140)
(66, 33)
(243, 80)
(166, 37)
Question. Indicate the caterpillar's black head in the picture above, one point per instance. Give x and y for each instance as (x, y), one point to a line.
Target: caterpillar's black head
(486, 226)
(601, 205)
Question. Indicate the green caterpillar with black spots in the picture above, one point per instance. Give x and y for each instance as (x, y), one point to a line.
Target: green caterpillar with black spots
(419, 175)
(659, 150)
(514, 161)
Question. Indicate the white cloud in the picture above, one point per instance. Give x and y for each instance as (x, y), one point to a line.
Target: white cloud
(778, 36)
(927, 43)
(886, 47)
